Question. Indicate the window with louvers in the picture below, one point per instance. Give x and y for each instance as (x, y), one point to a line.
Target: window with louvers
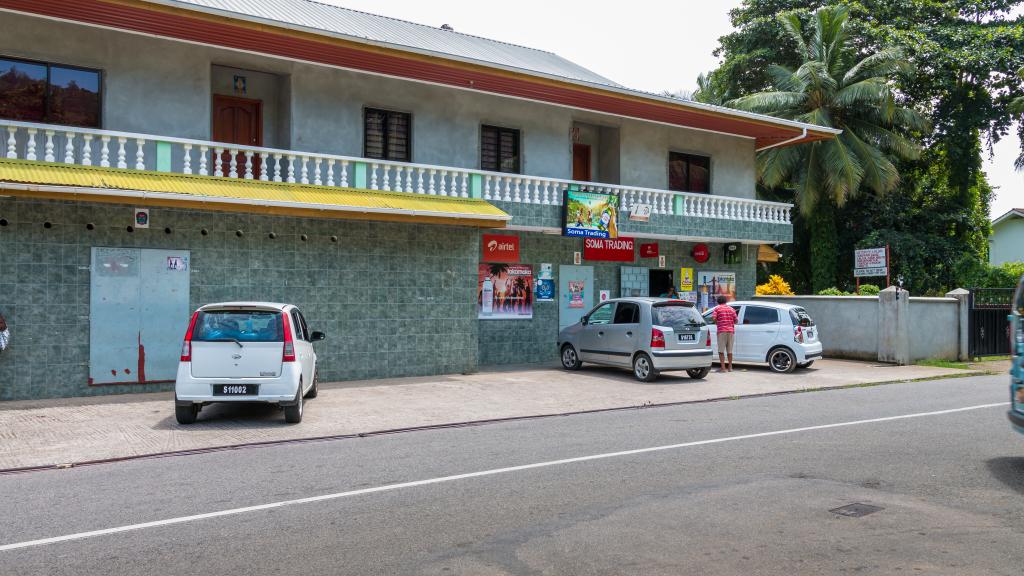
(689, 173)
(499, 149)
(386, 135)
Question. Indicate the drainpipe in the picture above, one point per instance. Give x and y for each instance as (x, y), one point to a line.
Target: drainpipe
(784, 142)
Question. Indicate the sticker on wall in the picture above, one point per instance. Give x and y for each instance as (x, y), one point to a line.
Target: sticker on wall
(577, 293)
(240, 84)
(577, 258)
(177, 263)
(604, 295)
(545, 290)
(141, 218)
(661, 261)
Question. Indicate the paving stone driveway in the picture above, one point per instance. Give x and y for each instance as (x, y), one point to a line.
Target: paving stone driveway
(48, 432)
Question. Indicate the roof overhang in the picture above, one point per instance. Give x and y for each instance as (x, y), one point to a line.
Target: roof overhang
(1012, 213)
(206, 26)
(108, 185)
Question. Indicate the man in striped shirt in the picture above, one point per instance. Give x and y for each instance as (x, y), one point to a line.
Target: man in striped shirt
(725, 320)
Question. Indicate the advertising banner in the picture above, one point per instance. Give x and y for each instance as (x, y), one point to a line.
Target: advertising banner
(712, 284)
(505, 291)
(640, 213)
(685, 279)
(500, 248)
(590, 215)
(608, 249)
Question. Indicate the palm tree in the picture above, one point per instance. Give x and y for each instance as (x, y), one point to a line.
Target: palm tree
(833, 88)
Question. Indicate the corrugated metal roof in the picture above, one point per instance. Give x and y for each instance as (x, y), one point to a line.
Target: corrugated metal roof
(210, 188)
(320, 17)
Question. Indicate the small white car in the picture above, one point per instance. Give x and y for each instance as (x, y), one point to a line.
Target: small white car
(783, 335)
(246, 352)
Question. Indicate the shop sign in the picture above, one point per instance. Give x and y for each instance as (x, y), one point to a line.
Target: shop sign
(500, 248)
(640, 213)
(590, 215)
(608, 249)
(649, 250)
(504, 291)
(701, 253)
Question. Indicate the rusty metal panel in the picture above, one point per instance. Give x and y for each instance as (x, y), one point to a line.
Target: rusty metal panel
(139, 308)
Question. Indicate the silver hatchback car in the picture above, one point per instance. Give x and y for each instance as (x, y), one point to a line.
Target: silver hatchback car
(649, 335)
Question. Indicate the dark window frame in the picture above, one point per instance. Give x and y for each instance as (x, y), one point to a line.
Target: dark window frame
(517, 144)
(758, 310)
(688, 157)
(49, 65)
(385, 153)
(634, 315)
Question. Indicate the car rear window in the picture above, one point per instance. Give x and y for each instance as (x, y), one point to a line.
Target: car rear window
(241, 325)
(675, 315)
(800, 317)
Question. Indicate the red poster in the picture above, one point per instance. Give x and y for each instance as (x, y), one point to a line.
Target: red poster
(649, 250)
(609, 249)
(500, 248)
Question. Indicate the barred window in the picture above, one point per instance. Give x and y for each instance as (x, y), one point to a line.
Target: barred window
(386, 135)
(499, 149)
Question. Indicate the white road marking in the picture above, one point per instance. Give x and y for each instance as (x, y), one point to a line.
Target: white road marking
(491, 472)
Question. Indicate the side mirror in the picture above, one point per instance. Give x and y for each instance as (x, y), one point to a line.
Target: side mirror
(584, 320)
(317, 336)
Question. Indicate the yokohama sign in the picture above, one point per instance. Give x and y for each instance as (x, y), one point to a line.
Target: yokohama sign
(500, 248)
(609, 249)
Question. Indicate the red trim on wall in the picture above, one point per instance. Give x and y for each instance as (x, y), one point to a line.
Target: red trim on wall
(226, 34)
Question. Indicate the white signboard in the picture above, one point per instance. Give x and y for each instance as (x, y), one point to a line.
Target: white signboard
(869, 258)
(866, 272)
(605, 295)
(640, 213)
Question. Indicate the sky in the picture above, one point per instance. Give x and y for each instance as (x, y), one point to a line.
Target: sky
(652, 45)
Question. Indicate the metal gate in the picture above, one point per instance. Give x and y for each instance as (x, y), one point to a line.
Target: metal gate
(988, 326)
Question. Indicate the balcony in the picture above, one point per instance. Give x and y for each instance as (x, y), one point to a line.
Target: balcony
(532, 201)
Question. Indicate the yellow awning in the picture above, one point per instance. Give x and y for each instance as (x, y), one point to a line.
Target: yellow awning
(91, 183)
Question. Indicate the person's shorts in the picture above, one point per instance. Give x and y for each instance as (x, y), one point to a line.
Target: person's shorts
(725, 341)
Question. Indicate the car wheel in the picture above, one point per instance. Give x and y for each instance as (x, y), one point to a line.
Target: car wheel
(186, 414)
(782, 360)
(293, 413)
(805, 364)
(315, 388)
(643, 368)
(698, 373)
(570, 360)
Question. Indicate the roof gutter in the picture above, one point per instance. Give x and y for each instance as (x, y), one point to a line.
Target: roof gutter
(784, 142)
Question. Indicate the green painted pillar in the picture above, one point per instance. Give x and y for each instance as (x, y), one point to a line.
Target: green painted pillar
(163, 156)
(359, 175)
(677, 205)
(476, 186)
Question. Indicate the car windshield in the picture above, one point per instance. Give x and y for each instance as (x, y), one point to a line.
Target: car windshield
(675, 315)
(800, 317)
(238, 325)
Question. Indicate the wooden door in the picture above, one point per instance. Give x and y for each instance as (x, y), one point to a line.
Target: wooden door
(238, 121)
(581, 162)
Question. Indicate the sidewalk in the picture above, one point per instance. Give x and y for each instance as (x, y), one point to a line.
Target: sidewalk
(49, 432)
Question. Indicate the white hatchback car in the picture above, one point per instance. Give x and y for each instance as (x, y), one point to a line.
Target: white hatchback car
(783, 335)
(246, 352)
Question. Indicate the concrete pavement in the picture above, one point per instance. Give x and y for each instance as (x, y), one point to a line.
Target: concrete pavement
(749, 492)
(49, 432)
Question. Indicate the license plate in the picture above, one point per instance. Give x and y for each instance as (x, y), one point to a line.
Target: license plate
(687, 337)
(235, 389)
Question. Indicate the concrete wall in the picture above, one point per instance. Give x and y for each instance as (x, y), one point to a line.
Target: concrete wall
(1007, 242)
(889, 327)
(163, 87)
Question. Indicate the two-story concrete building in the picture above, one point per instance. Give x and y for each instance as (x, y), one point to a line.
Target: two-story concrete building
(157, 155)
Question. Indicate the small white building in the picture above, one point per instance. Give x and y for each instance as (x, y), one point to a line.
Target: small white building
(1006, 244)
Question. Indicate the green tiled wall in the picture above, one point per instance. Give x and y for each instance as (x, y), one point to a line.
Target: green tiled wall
(394, 299)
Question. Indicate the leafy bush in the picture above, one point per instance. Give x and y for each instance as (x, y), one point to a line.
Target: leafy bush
(833, 291)
(1005, 275)
(775, 286)
(869, 290)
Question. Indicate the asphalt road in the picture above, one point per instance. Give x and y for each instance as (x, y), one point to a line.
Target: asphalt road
(736, 487)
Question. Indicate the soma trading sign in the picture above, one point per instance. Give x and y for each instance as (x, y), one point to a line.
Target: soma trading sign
(870, 262)
(500, 248)
(608, 249)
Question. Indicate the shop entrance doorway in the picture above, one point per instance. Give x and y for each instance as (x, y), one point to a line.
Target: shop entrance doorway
(660, 281)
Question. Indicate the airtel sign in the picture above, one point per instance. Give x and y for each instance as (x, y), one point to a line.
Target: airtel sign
(500, 248)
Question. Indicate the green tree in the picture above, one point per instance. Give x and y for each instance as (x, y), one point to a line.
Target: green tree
(833, 87)
(1016, 107)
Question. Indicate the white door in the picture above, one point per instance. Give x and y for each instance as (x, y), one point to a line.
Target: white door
(756, 333)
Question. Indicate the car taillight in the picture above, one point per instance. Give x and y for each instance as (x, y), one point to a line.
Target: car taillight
(798, 334)
(289, 345)
(186, 345)
(657, 339)
(708, 341)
